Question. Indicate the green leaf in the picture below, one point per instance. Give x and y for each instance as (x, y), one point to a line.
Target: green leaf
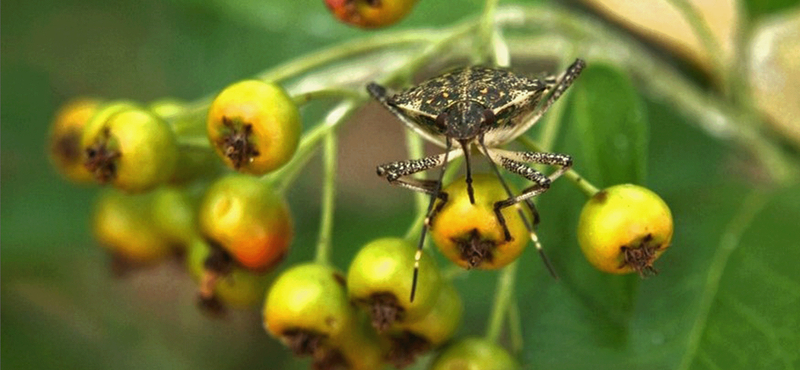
(609, 119)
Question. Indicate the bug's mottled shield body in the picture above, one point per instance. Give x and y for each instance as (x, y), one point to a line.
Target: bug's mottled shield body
(509, 96)
(481, 107)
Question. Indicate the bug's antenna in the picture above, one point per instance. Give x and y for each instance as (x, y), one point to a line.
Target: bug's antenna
(528, 225)
(465, 146)
(426, 224)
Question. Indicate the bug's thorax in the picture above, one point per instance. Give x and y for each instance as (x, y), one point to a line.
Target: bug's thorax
(465, 120)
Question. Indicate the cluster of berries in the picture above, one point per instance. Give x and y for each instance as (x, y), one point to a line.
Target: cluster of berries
(172, 196)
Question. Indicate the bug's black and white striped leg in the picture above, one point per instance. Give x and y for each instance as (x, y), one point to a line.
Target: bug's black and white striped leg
(515, 162)
(397, 174)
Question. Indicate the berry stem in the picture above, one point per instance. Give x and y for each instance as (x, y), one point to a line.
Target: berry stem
(416, 149)
(552, 120)
(199, 143)
(703, 31)
(486, 33)
(515, 326)
(325, 93)
(502, 299)
(583, 185)
(330, 156)
(718, 117)
(283, 178)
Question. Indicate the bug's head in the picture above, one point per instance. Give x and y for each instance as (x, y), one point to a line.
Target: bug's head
(465, 120)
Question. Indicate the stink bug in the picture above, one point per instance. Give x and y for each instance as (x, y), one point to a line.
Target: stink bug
(480, 106)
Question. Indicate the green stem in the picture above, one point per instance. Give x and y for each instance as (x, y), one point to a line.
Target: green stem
(502, 298)
(583, 185)
(599, 43)
(704, 33)
(416, 149)
(486, 33)
(283, 178)
(328, 199)
(344, 50)
(515, 326)
(325, 93)
(552, 121)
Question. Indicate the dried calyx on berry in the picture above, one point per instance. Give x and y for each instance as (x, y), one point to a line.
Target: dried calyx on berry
(379, 279)
(471, 235)
(254, 126)
(129, 147)
(307, 308)
(410, 339)
(65, 138)
(624, 229)
(221, 282)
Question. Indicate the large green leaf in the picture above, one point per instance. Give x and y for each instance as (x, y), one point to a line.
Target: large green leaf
(609, 119)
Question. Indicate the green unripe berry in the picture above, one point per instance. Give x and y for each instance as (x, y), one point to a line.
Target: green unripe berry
(380, 279)
(129, 147)
(309, 298)
(123, 224)
(474, 354)
(65, 138)
(410, 339)
(173, 213)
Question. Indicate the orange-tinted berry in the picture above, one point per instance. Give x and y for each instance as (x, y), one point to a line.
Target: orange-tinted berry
(246, 218)
(370, 13)
(470, 234)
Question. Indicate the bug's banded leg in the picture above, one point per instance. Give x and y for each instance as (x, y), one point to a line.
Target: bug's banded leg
(397, 174)
(564, 82)
(530, 227)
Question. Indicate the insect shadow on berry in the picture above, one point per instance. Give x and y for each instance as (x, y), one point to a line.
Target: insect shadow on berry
(482, 107)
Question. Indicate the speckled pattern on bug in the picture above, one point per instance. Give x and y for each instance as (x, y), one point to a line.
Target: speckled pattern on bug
(481, 106)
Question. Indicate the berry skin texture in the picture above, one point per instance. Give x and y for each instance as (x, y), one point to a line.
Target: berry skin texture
(129, 147)
(370, 13)
(173, 213)
(254, 126)
(123, 224)
(470, 234)
(246, 218)
(308, 310)
(474, 354)
(65, 139)
(624, 228)
(379, 278)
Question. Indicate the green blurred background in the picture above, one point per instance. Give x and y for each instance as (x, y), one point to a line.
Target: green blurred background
(61, 308)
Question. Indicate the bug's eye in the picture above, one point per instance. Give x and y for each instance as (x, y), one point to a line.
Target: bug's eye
(488, 116)
(440, 121)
